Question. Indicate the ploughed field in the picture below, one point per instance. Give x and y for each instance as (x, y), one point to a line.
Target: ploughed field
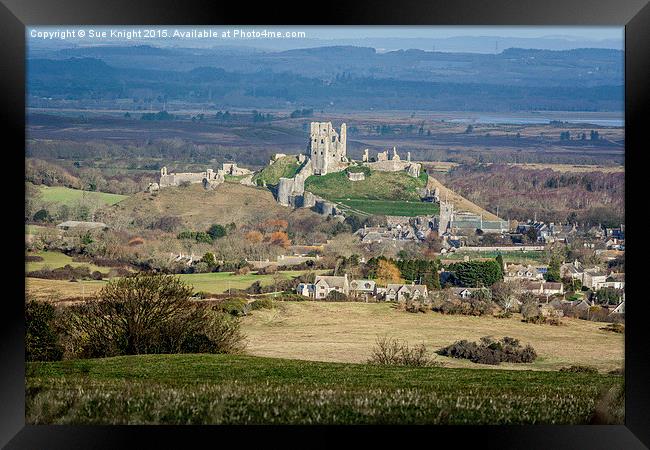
(347, 332)
(226, 389)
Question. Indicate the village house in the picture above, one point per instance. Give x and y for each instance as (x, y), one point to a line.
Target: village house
(403, 292)
(463, 293)
(323, 285)
(519, 272)
(542, 287)
(594, 278)
(363, 289)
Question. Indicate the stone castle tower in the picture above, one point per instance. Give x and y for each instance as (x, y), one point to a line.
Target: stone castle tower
(446, 217)
(327, 148)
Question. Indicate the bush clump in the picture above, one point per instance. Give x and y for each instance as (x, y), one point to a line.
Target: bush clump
(234, 306)
(466, 307)
(262, 303)
(490, 351)
(41, 338)
(147, 313)
(614, 328)
(579, 369)
(66, 272)
(393, 352)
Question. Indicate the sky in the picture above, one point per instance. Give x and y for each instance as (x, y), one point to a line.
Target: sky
(480, 39)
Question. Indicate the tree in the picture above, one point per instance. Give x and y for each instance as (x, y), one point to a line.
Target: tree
(477, 273)
(553, 272)
(387, 272)
(504, 294)
(209, 259)
(216, 231)
(42, 215)
(531, 234)
(280, 238)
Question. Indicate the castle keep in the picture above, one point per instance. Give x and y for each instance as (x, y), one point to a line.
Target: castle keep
(327, 148)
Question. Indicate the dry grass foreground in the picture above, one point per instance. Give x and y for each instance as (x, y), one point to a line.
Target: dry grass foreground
(346, 332)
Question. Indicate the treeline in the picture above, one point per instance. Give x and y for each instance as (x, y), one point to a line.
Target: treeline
(520, 194)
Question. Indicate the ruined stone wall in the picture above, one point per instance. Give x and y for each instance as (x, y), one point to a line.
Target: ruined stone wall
(175, 179)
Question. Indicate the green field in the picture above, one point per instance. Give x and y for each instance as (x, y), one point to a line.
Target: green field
(389, 207)
(219, 282)
(285, 167)
(378, 186)
(67, 196)
(224, 389)
(382, 193)
(55, 260)
(214, 283)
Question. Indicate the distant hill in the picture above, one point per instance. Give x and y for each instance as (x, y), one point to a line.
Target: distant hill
(351, 78)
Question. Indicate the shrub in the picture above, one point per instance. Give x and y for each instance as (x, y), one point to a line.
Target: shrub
(167, 223)
(66, 272)
(135, 241)
(234, 306)
(393, 352)
(490, 351)
(579, 369)
(242, 270)
(614, 327)
(41, 339)
(610, 406)
(96, 275)
(147, 313)
(415, 306)
(262, 303)
(267, 270)
(216, 231)
(184, 184)
(503, 315)
(33, 258)
(336, 296)
(468, 307)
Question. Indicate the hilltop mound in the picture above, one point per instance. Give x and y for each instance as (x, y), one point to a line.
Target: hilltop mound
(285, 167)
(380, 193)
(198, 208)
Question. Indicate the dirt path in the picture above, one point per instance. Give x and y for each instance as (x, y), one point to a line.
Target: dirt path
(460, 203)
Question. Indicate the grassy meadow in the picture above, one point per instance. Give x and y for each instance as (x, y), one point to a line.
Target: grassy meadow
(227, 389)
(55, 260)
(347, 332)
(214, 283)
(67, 196)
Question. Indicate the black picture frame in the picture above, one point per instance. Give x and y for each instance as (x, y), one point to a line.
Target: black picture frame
(15, 15)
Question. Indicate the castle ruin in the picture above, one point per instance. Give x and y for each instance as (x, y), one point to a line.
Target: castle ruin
(327, 148)
(209, 178)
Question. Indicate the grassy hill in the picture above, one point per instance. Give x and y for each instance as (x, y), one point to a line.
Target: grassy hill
(198, 208)
(381, 193)
(225, 389)
(67, 196)
(285, 167)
